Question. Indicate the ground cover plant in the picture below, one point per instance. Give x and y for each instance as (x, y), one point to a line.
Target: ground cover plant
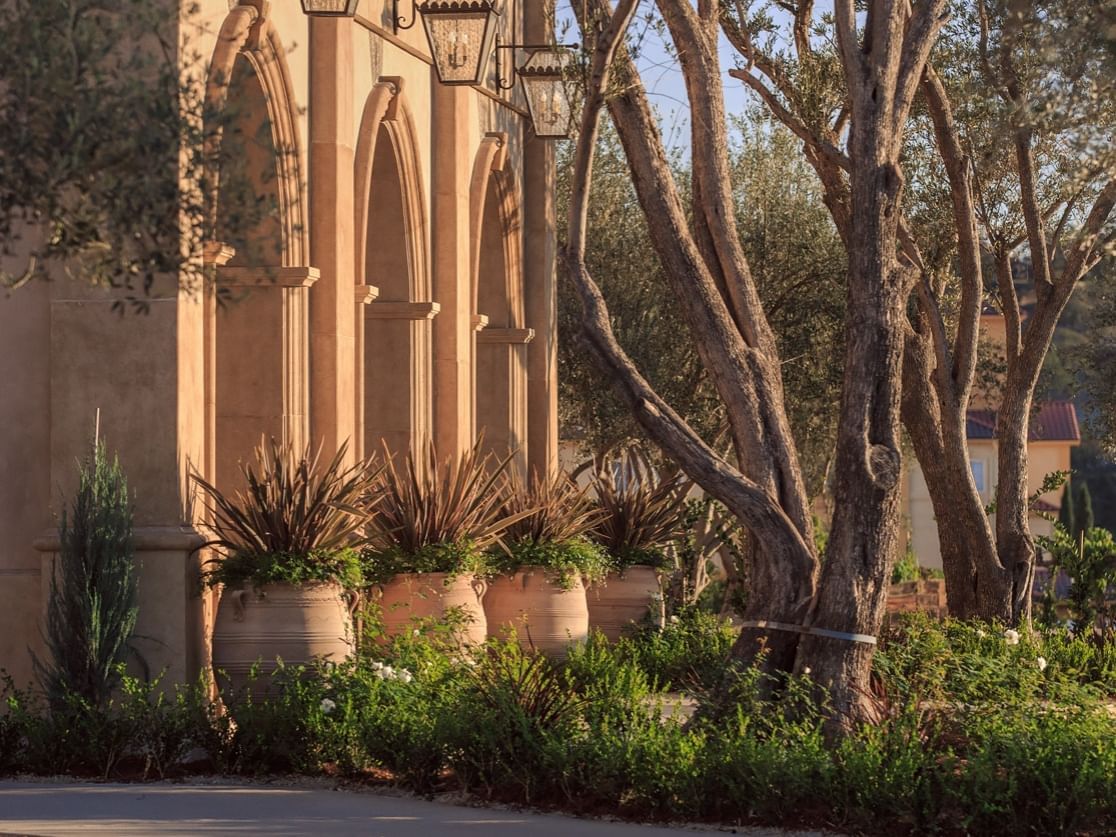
(975, 730)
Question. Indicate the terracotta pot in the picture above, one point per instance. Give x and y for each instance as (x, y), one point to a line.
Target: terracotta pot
(624, 600)
(297, 623)
(544, 616)
(420, 595)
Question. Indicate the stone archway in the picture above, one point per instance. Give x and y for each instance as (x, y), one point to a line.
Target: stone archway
(256, 357)
(394, 376)
(500, 357)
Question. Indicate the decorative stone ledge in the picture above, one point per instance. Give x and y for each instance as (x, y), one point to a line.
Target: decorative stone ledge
(479, 322)
(379, 310)
(366, 294)
(145, 538)
(506, 335)
(263, 277)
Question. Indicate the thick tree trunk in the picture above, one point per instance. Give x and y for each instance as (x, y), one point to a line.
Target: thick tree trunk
(882, 72)
(936, 426)
(864, 538)
(1008, 598)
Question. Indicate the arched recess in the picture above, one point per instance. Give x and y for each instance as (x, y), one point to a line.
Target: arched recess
(500, 390)
(394, 351)
(256, 355)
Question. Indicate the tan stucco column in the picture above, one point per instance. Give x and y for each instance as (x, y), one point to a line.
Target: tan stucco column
(144, 372)
(539, 277)
(540, 305)
(453, 327)
(332, 300)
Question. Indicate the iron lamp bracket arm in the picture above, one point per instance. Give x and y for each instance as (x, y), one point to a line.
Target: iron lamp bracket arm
(399, 22)
(500, 84)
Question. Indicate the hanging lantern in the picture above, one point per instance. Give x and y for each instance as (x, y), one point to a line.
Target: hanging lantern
(330, 8)
(548, 97)
(461, 34)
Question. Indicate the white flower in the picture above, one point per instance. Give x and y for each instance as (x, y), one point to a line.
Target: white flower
(1041, 663)
(389, 672)
(379, 672)
(981, 634)
(328, 705)
(806, 670)
(1012, 637)
(416, 632)
(405, 676)
(377, 666)
(674, 620)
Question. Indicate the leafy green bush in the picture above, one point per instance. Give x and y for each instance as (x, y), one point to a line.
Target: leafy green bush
(565, 561)
(691, 650)
(975, 730)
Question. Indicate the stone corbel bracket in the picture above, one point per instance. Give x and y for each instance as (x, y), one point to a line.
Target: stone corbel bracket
(401, 310)
(513, 336)
(264, 277)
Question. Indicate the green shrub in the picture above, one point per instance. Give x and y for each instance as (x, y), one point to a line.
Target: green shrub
(92, 609)
(690, 651)
(565, 561)
(969, 734)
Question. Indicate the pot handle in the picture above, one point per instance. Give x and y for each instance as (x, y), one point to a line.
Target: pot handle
(238, 597)
(480, 587)
(352, 601)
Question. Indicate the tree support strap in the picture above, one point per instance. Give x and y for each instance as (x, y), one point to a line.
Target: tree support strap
(808, 629)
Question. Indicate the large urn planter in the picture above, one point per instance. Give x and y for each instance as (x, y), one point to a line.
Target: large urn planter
(624, 599)
(544, 615)
(410, 596)
(299, 624)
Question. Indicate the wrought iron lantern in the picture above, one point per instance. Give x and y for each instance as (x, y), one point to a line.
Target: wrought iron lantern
(461, 34)
(330, 8)
(544, 78)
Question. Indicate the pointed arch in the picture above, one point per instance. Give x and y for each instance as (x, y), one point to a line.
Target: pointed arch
(500, 356)
(394, 340)
(248, 34)
(255, 354)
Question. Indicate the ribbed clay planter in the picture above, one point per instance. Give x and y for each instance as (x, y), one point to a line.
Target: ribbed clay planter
(624, 599)
(297, 623)
(544, 616)
(419, 595)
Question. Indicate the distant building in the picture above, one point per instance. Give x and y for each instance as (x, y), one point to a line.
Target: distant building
(1053, 433)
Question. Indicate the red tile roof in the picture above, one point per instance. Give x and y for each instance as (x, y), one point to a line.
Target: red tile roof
(1055, 421)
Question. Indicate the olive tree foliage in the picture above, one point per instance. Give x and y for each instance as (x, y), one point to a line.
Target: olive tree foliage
(801, 613)
(800, 274)
(1008, 158)
(108, 151)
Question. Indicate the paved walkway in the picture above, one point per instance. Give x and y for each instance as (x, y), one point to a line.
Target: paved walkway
(57, 809)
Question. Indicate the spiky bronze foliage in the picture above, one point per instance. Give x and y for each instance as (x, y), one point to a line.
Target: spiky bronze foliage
(293, 505)
(432, 512)
(549, 509)
(642, 509)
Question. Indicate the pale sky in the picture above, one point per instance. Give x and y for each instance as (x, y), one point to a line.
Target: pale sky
(663, 77)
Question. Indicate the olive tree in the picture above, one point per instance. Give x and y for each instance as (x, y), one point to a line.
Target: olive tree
(801, 613)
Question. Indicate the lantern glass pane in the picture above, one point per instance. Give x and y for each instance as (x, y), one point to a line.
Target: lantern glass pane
(549, 104)
(461, 43)
(330, 8)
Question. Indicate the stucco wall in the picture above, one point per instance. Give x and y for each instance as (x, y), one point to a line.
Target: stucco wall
(64, 353)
